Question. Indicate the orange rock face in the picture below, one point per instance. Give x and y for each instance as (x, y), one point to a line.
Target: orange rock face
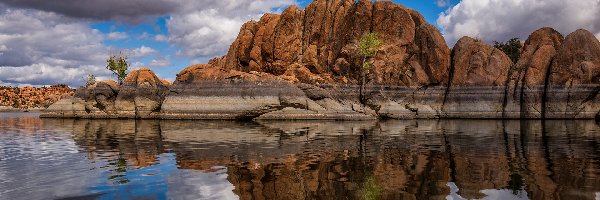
(203, 72)
(323, 39)
(577, 61)
(538, 52)
(478, 64)
(31, 97)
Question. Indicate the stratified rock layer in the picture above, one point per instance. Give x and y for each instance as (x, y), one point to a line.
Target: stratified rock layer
(206, 92)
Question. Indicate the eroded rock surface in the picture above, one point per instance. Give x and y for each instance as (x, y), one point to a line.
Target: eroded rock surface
(574, 78)
(322, 39)
(140, 96)
(209, 92)
(526, 88)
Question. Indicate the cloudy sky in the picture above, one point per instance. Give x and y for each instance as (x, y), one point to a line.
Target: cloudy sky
(48, 42)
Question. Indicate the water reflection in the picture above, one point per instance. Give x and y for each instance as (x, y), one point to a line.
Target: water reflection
(324, 160)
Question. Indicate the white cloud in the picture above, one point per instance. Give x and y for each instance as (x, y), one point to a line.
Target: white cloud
(160, 62)
(44, 74)
(117, 35)
(442, 3)
(142, 52)
(2, 49)
(161, 38)
(207, 28)
(501, 20)
(41, 48)
(143, 36)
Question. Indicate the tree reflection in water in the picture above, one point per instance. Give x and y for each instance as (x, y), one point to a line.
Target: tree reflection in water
(360, 160)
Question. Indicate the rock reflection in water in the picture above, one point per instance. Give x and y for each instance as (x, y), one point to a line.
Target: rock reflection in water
(388, 159)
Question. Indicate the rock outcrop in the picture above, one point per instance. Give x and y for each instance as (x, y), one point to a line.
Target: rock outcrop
(304, 64)
(477, 79)
(140, 96)
(323, 39)
(208, 92)
(574, 78)
(526, 88)
(32, 98)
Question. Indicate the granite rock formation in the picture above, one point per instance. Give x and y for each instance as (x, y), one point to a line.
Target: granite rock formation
(32, 98)
(526, 87)
(323, 39)
(207, 92)
(304, 64)
(140, 96)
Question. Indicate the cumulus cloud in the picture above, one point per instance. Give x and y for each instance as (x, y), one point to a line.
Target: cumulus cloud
(44, 74)
(48, 42)
(160, 62)
(42, 48)
(142, 52)
(442, 3)
(161, 38)
(117, 35)
(132, 11)
(207, 28)
(497, 20)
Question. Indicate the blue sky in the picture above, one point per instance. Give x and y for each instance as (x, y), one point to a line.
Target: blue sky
(44, 42)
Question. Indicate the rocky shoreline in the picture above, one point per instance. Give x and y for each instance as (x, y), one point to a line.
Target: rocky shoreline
(303, 64)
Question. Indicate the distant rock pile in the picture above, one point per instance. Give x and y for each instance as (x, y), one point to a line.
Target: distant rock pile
(304, 64)
(16, 98)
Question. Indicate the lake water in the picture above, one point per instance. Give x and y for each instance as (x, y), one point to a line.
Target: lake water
(446, 159)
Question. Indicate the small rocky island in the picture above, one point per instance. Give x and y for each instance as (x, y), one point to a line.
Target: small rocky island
(304, 64)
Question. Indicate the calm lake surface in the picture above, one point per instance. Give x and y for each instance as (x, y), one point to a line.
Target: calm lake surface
(447, 159)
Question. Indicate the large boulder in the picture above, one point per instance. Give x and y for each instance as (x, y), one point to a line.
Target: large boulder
(141, 95)
(323, 39)
(578, 60)
(478, 64)
(525, 91)
(477, 81)
(574, 78)
(94, 100)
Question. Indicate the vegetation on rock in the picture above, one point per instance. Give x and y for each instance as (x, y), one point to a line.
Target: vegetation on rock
(512, 48)
(368, 46)
(90, 79)
(118, 64)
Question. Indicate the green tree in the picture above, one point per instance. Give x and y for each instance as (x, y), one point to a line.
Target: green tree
(90, 79)
(512, 48)
(118, 64)
(368, 46)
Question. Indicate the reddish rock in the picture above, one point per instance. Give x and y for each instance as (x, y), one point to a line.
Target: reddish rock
(528, 77)
(206, 72)
(323, 39)
(141, 94)
(577, 61)
(288, 36)
(538, 52)
(574, 78)
(478, 64)
(33, 97)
